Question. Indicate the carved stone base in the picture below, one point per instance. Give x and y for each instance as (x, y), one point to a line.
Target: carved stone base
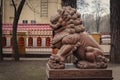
(72, 73)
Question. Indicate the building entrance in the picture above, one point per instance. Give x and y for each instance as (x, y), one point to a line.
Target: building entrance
(21, 43)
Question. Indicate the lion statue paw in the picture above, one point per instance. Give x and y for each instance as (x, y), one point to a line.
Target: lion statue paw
(55, 62)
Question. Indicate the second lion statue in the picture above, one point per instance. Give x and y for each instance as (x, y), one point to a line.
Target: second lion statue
(70, 38)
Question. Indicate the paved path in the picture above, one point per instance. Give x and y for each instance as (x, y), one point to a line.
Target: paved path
(35, 70)
(116, 71)
(22, 70)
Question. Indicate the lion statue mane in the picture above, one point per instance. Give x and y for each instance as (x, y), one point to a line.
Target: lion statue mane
(70, 38)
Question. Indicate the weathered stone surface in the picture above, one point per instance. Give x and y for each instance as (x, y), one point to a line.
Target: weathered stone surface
(72, 73)
(71, 38)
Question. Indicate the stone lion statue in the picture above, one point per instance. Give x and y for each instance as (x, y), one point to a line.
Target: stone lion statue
(70, 38)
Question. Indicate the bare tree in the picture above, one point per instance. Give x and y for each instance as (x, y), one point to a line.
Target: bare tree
(17, 13)
(105, 23)
(1, 52)
(115, 30)
(99, 9)
(89, 22)
(82, 7)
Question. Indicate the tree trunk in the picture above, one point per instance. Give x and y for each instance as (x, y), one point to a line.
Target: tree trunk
(72, 3)
(15, 24)
(115, 30)
(1, 52)
(98, 23)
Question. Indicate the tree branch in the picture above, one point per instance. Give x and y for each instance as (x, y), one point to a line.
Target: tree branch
(14, 6)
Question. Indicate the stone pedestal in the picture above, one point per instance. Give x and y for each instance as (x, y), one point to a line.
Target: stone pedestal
(72, 73)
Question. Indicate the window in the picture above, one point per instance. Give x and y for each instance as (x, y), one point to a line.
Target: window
(25, 21)
(39, 41)
(47, 41)
(3, 41)
(33, 21)
(30, 41)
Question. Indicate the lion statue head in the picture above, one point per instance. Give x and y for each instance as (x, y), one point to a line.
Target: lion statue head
(67, 19)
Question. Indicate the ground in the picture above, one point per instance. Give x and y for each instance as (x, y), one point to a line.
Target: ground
(22, 70)
(34, 70)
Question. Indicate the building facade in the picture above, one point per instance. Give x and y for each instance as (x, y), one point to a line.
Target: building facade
(34, 11)
(30, 37)
(34, 33)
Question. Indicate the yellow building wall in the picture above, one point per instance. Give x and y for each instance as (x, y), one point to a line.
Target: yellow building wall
(31, 11)
(96, 36)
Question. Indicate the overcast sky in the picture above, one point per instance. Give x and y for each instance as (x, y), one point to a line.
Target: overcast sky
(104, 3)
